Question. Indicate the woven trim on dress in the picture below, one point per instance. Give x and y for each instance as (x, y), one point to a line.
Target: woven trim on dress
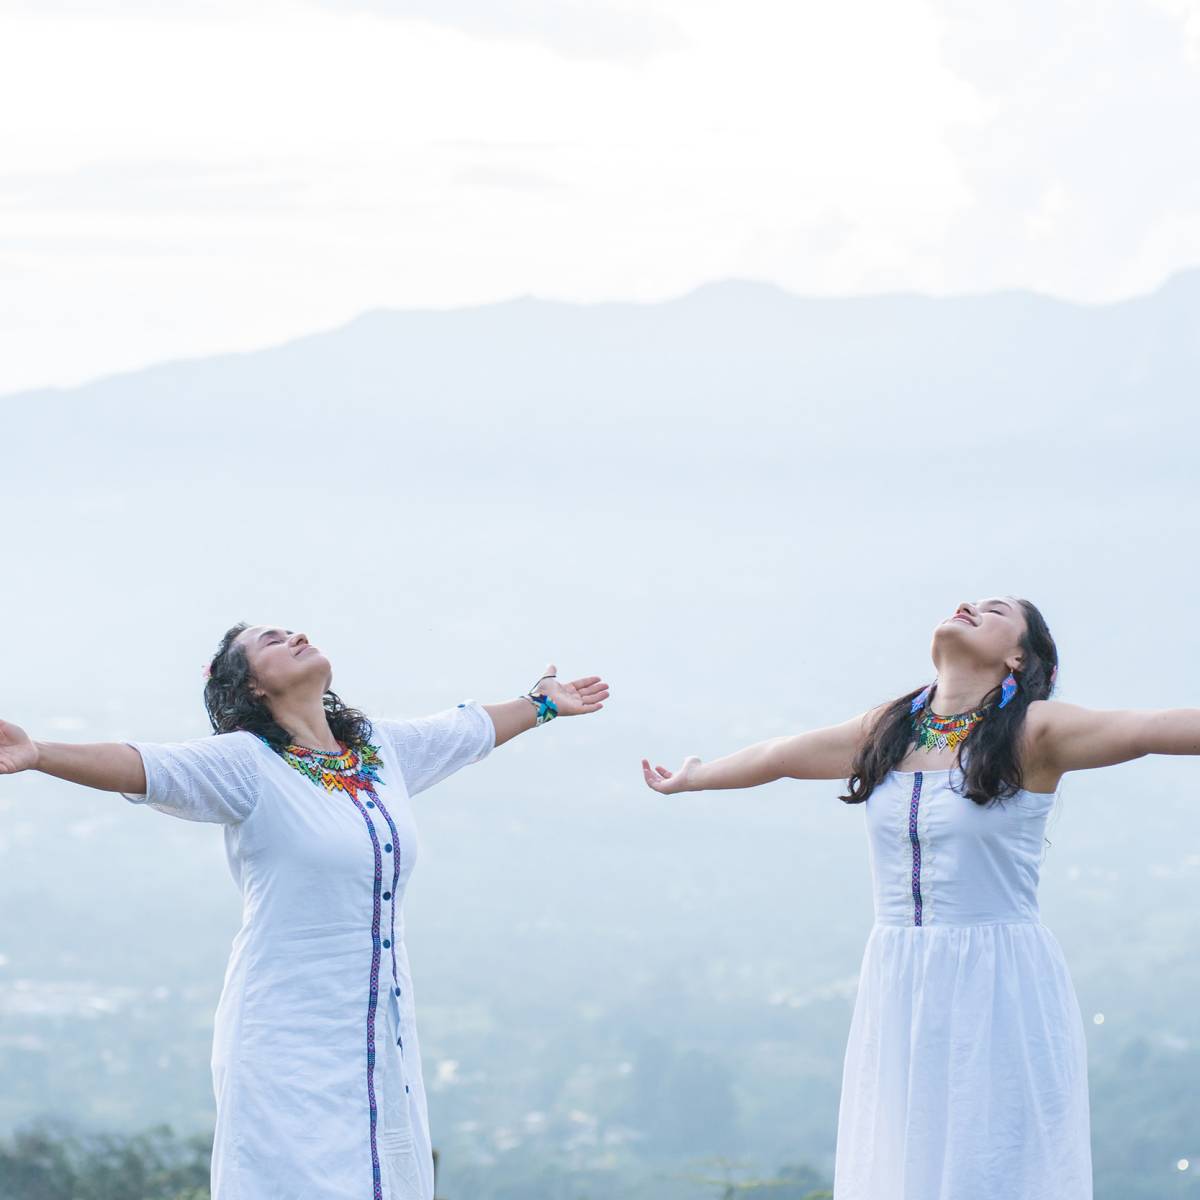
(913, 808)
(373, 1000)
(395, 879)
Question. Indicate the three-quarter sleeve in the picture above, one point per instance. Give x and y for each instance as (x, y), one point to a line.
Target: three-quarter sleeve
(430, 748)
(208, 779)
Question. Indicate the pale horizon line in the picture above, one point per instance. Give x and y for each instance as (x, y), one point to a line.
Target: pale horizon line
(712, 285)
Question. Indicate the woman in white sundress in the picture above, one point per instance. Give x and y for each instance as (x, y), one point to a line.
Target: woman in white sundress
(965, 1074)
(316, 1066)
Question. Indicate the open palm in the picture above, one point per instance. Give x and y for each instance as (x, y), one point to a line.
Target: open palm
(584, 695)
(17, 751)
(669, 782)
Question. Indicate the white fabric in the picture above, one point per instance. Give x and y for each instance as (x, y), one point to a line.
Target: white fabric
(208, 779)
(289, 1062)
(965, 1073)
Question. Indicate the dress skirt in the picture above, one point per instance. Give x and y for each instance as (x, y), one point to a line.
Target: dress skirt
(965, 1073)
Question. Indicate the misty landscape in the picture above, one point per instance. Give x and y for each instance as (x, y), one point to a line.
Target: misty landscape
(747, 510)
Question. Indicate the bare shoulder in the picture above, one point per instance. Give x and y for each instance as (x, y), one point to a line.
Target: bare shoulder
(1038, 717)
(1041, 718)
(1070, 737)
(1046, 716)
(1056, 737)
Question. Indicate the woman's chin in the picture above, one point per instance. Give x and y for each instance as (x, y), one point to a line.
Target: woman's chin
(315, 667)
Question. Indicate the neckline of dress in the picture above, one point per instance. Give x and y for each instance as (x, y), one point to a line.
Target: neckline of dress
(947, 770)
(313, 749)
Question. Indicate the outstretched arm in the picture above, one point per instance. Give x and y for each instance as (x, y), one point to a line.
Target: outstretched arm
(215, 778)
(110, 766)
(1067, 737)
(826, 753)
(586, 695)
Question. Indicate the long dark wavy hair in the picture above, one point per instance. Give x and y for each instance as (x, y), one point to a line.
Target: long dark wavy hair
(232, 705)
(992, 769)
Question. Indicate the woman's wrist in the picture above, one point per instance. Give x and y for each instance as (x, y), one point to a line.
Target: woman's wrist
(544, 708)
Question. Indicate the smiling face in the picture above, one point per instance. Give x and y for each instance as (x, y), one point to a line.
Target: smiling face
(987, 632)
(283, 662)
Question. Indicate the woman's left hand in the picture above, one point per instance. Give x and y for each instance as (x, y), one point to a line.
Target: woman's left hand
(586, 695)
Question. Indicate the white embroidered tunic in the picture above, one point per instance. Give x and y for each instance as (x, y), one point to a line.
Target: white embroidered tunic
(315, 1062)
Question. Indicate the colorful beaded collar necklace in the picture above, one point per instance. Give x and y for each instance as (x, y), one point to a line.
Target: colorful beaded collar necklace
(944, 733)
(351, 771)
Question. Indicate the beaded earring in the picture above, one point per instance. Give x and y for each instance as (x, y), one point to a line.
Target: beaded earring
(919, 701)
(1008, 689)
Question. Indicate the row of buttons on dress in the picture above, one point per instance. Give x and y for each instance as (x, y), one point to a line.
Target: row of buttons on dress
(387, 945)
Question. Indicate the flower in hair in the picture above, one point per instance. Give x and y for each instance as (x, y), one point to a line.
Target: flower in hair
(206, 670)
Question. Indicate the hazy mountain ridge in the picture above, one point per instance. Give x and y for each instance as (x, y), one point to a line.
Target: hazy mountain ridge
(736, 357)
(748, 510)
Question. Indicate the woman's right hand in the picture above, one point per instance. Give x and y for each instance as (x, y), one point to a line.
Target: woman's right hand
(17, 751)
(667, 782)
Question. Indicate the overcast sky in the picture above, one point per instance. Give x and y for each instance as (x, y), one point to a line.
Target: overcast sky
(192, 176)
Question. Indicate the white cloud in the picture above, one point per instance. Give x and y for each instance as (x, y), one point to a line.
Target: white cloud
(579, 28)
(133, 187)
(1080, 153)
(1187, 13)
(518, 179)
(195, 176)
(1052, 211)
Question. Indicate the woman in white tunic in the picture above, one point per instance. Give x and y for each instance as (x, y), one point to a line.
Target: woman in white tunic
(316, 1066)
(965, 1074)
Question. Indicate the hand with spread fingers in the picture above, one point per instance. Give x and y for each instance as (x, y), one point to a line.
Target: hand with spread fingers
(586, 695)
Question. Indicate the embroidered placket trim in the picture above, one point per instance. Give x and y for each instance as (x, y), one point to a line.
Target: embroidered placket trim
(395, 879)
(373, 1000)
(913, 808)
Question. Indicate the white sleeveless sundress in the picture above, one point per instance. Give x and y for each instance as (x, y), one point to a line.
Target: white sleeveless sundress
(965, 1074)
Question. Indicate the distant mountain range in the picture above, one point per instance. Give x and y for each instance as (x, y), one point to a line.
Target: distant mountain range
(732, 367)
(749, 511)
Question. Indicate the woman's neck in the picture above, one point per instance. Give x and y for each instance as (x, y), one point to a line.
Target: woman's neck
(961, 689)
(306, 722)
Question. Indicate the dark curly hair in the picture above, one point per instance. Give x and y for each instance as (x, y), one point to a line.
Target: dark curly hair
(992, 770)
(232, 705)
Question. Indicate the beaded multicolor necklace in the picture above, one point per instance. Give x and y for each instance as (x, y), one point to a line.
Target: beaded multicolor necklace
(944, 733)
(352, 771)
